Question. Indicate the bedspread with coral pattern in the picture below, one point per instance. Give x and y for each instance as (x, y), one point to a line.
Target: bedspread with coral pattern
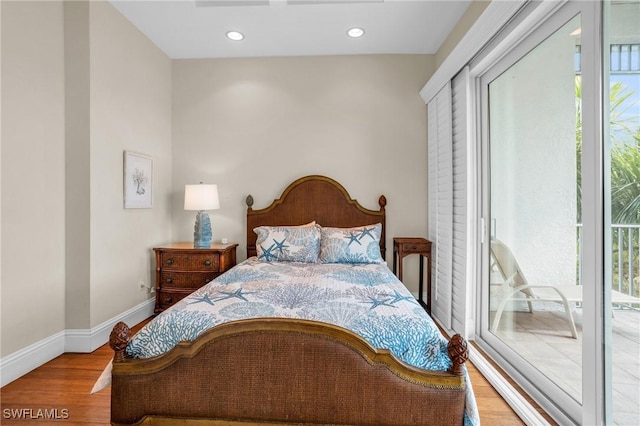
(364, 298)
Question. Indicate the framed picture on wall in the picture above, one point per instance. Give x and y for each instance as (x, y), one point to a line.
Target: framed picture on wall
(138, 180)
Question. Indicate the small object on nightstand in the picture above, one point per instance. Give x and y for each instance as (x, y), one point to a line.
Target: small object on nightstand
(181, 269)
(406, 246)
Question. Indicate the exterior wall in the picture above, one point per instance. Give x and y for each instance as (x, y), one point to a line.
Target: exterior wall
(252, 126)
(533, 193)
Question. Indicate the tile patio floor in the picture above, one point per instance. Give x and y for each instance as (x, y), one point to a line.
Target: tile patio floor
(543, 338)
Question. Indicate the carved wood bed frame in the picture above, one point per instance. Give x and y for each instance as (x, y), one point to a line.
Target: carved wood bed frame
(286, 371)
(316, 198)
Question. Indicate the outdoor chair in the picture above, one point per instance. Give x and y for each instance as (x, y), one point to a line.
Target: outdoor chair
(515, 282)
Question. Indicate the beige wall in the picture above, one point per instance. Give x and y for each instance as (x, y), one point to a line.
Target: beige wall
(469, 17)
(72, 255)
(33, 230)
(252, 126)
(130, 110)
(1, 135)
(77, 167)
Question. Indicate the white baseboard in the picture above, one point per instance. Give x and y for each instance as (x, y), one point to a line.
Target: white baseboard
(85, 341)
(33, 356)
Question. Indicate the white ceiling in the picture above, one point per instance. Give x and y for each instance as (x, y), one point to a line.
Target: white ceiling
(196, 29)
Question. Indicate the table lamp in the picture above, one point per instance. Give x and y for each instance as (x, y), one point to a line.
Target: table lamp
(201, 197)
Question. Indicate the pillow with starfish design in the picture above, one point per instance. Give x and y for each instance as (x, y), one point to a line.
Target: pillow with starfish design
(288, 243)
(351, 245)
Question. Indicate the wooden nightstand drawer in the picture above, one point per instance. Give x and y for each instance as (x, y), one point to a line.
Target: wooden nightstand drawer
(416, 248)
(192, 280)
(180, 261)
(165, 299)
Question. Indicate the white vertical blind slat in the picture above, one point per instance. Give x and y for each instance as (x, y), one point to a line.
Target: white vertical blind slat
(448, 201)
(459, 290)
(441, 202)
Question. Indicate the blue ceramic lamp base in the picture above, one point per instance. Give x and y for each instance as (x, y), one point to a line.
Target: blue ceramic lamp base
(202, 234)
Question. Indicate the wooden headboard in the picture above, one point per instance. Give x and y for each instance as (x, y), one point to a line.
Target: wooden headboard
(312, 198)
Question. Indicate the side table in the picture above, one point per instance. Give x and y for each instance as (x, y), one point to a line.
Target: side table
(181, 269)
(405, 246)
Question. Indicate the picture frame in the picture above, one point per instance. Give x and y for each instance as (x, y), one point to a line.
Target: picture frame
(137, 180)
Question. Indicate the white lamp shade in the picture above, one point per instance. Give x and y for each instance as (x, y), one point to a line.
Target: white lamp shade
(201, 197)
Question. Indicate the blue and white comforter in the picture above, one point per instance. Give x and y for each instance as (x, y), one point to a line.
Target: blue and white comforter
(364, 298)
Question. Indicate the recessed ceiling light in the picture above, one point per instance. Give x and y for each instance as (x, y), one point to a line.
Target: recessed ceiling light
(235, 35)
(355, 32)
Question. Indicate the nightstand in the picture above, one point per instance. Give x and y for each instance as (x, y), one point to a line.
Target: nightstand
(182, 269)
(405, 246)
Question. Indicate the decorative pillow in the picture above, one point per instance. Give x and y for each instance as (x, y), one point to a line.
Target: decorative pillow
(351, 245)
(288, 243)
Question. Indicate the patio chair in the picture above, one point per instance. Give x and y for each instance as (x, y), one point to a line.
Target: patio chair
(515, 282)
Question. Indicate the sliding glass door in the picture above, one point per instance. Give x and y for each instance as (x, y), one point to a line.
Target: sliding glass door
(534, 300)
(621, 54)
(560, 130)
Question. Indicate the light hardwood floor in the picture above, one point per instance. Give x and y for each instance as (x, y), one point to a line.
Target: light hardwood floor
(62, 386)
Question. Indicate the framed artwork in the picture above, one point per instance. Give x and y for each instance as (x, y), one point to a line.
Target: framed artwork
(138, 180)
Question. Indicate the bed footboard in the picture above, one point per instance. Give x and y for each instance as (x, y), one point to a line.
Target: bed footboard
(277, 371)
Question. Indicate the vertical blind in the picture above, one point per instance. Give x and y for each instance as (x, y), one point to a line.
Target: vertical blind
(441, 202)
(449, 226)
(461, 256)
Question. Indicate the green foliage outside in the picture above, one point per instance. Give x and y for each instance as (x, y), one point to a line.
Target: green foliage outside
(624, 135)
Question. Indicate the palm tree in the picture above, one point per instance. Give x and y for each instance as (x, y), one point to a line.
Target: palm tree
(624, 141)
(625, 184)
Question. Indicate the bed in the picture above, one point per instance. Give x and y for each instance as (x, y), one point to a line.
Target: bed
(313, 328)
